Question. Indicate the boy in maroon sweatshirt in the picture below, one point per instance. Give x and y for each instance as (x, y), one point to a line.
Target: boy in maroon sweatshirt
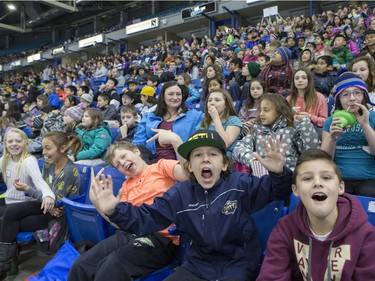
(328, 236)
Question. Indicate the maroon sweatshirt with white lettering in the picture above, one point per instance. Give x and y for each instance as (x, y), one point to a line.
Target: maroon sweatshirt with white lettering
(293, 253)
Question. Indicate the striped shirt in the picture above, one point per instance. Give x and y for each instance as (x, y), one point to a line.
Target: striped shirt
(29, 174)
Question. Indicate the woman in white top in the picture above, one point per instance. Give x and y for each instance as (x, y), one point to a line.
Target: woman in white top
(17, 165)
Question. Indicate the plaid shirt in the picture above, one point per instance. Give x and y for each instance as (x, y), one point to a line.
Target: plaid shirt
(277, 76)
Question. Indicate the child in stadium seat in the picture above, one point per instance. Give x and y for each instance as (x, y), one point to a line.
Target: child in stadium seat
(95, 135)
(364, 67)
(129, 123)
(276, 118)
(213, 210)
(61, 178)
(278, 73)
(306, 101)
(324, 75)
(328, 236)
(220, 115)
(340, 52)
(125, 255)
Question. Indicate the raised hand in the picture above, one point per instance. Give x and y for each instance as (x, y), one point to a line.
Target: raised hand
(101, 193)
(275, 155)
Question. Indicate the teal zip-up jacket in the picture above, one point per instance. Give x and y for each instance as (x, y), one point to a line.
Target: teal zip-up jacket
(95, 142)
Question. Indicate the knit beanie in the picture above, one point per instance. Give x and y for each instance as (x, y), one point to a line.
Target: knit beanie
(347, 80)
(75, 112)
(274, 36)
(148, 91)
(87, 97)
(254, 69)
(285, 53)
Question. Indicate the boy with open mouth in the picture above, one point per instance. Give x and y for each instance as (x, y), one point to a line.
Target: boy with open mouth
(328, 236)
(213, 209)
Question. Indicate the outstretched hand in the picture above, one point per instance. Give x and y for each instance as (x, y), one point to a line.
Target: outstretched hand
(101, 193)
(165, 137)
(275, 155)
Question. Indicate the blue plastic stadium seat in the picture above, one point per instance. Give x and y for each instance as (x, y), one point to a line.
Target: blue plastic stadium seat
(96, 82)
(199, 106)
(41, 162)
(237, 105)
(293, 203)
(3, 188)
(330, 104)
(368, 204)
(84, 222)
(266, 219)
(25, 237)
(119, 90)
(27, 131)
(197, 83)
(114, 133)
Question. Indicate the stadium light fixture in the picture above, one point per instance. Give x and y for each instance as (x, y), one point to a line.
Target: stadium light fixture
(11, 7)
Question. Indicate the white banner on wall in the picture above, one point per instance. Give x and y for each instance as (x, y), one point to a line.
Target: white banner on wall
(32, 58)
(271, 11)
(90, 41)
(141, 26)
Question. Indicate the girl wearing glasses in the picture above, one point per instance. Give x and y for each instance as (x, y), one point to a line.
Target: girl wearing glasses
(364, 67)
(352, 148)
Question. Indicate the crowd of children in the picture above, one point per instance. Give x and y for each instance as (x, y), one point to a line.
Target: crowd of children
(276, 93)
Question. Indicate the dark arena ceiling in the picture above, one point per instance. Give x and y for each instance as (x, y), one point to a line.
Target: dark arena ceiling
(44, 15)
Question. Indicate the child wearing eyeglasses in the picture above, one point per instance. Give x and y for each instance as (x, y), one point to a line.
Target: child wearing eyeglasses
(352, 148)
